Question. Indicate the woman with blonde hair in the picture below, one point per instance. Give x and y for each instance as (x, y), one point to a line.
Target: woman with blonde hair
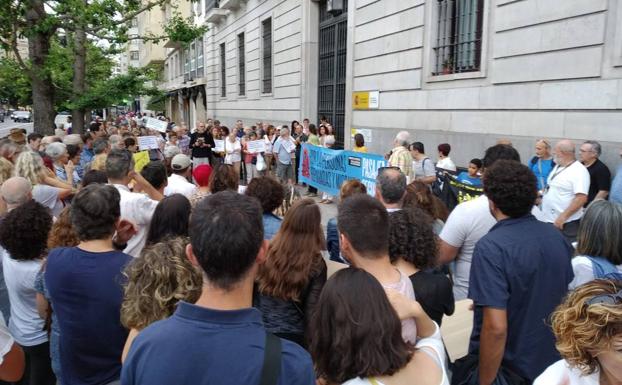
(588, 330)
(290, 281)
(156, 282)
(29, 165)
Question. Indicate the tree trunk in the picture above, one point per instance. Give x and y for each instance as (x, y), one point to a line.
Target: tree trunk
(41, 80)
(79, 79)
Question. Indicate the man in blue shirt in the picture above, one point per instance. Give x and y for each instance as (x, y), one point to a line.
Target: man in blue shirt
(283, 149)
(85, 288)
(270, 194)
(520, 272)
(221, 338)
(615, 194)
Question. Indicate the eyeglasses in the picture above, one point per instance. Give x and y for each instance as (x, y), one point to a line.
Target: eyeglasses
(605, 299)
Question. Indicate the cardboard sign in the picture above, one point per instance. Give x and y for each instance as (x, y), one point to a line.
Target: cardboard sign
(148, 143)
(288, 145)
(256, 146)
(219, 145)
(156, 124)
(141, 159)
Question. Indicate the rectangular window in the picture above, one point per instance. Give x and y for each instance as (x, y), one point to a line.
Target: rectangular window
(210, 4)
(266, 34)
(186, 64)
(241, 66)
(193, 61)
(133, 55)
(134, 22)
(458, 46)
(223, 71)
(200, 64)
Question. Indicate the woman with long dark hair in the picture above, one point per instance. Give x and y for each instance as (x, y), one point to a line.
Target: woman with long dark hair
(357, 336)
(170, 219)
(290, 281)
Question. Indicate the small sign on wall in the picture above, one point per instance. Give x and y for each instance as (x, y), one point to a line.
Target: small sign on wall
(366, 100)
(363, 131)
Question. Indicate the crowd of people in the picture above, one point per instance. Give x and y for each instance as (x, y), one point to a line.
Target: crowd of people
(191, 269)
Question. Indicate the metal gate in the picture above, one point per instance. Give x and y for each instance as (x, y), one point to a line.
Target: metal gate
(332, 66)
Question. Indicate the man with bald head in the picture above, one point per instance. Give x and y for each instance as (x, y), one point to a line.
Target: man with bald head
(391, 188)
(15, 192)
(566, 191)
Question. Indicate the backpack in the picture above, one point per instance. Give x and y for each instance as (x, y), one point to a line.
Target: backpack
(603, 269)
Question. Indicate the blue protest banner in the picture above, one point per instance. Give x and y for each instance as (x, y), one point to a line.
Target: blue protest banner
(327, 169)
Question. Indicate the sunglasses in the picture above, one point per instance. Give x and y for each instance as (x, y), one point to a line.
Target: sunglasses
(605, 299)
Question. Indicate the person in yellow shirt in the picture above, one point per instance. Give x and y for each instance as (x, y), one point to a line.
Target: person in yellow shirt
(359, 143)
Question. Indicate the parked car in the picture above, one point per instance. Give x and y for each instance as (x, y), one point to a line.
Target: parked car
(22, 116)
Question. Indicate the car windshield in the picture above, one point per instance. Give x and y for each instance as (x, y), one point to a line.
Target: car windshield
(22, 113)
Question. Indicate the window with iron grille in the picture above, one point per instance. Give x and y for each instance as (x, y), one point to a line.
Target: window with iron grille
(241, 66)
(266, 34)
(200, 63)
(223, 72)
(458, 46)
(133, 55)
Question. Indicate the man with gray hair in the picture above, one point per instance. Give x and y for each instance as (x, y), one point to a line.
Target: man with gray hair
(284, 149)
(566, 191)
(15, 192)
(400, 156)
(600, 176)
(390, 188)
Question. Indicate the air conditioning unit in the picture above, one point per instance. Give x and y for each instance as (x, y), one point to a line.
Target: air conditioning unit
(334, 7)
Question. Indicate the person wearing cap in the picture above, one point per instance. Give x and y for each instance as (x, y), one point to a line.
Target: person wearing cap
(201, 175)
(178, 181)
(169, 153)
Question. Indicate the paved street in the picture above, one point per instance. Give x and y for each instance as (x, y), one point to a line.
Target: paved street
(5, 127)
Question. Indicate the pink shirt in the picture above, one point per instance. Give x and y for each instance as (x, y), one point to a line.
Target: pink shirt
(405, 287)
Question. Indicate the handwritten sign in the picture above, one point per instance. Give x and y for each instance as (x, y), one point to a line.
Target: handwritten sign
(148, 143)
(219, 145)
(288, 145)
(156, 124)
(256, 146)
(141, 159)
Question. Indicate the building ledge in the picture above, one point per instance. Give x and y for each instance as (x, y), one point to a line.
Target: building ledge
(215, 15)
(231, 4)
(172, 44)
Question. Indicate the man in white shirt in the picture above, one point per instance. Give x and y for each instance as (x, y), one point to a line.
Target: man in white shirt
(178, 181)
(566, 191)
(466, 224)
(136, 208)
(444, 161)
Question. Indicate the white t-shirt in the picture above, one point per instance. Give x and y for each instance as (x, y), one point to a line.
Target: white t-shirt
(177, 184)
(405, 287)
(583, 271)
(423, 168)
(466, 225)
(48, 197)
(233, 151)
(6, 340)
(447, 164)
(138, 209)
(560, 373)
(563, 184)
(433, 346)
(25, 324)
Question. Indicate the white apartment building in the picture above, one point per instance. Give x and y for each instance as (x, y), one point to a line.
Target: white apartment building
(465, 72)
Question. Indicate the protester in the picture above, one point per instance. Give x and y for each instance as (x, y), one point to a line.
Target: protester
(391, 188)
(348, 188)
(269, 138)
(101, 148)
(352, 308)
(75, 154)
(400, 156)
(154, 172)
(270, 194)
(466, 224)
(178, 181)
(283, 149)
(30, 166)
(84, 286)
(34, 141)
(444, 161)
(201, 175)
(223, 177)
(64, 168)
(130, 144)
(616, 186)
(588, 329)
(418, 195)
(520, 272)
(156, 282)
(599, 247)
(87, 150)
(423, 167)
(472, 177)
(23, 237)
(600, 177)
(314, 140)
(94, 176)
(359, 143)
(290, 281)
(542, 163)
(135, 207)
(233, 151)
(364, 229)
(201, 143)
(566, 192)
(329, 142)
(170, 219)
(220, 339)
(15, 192)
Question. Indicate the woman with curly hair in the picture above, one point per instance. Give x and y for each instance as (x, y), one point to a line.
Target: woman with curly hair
(156, 281)
(290, 281)
(588, 329)
(23, 236)
(357, 336)
(413, 250)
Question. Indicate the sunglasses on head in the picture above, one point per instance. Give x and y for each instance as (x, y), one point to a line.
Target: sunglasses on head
(605, 299)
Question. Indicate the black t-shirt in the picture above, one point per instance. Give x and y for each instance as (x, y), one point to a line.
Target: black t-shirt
(600, 179)
(434, 293)
(202, 152)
